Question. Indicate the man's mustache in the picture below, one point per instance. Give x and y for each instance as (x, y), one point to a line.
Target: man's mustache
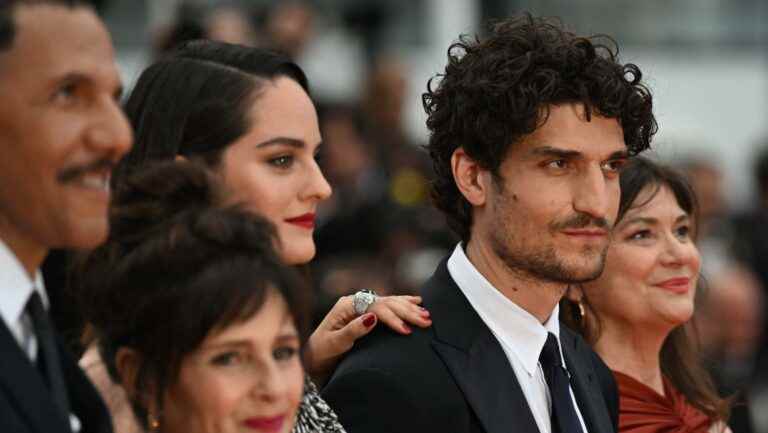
(71, 173)
(580, 221)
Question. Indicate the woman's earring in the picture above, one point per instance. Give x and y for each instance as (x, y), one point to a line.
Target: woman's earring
(582, 311)
(154, 422)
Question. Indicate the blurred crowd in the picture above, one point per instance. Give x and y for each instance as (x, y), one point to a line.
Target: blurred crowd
(732, 309)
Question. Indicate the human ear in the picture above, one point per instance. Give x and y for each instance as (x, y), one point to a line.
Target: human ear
(471, 179)
(127, 364)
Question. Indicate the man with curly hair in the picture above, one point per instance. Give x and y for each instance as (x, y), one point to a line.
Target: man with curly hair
(529, 129)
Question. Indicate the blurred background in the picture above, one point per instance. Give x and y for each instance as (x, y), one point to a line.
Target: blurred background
(368, 62)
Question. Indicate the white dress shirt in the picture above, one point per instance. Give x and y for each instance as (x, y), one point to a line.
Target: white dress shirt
(16, 286)
(520, 334)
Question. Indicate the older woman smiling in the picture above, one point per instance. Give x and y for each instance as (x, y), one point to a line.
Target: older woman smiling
(637, 313)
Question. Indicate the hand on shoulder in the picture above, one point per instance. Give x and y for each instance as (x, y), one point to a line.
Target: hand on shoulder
(341, 327)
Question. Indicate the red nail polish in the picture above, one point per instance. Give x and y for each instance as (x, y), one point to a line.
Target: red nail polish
(369, 321)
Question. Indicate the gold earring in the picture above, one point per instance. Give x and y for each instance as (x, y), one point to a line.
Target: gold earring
(582, 311)
(154, 422)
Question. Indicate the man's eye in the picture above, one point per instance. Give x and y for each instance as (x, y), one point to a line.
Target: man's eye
(65, 92)
(558, 163)
(614, 165)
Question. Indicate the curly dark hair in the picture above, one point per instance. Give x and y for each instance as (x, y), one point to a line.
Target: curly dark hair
(497, 89)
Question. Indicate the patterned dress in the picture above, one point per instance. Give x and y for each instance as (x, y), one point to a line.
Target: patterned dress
(315, 416)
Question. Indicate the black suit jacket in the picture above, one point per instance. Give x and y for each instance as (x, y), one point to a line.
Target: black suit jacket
(455, 377)
(26, 405)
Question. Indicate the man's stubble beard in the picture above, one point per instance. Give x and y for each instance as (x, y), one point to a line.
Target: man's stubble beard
(545, 264)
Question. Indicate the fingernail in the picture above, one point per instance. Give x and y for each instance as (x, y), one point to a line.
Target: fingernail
(369, 321)
(406, 328)
(424, 312)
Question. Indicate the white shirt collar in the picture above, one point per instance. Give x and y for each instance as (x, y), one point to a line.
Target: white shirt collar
(519, 329)
(16, 286)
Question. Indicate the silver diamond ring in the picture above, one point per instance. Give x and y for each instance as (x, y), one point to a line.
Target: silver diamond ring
(362, 300)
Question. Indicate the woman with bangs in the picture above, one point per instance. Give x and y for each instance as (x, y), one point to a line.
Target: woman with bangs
(194, 312)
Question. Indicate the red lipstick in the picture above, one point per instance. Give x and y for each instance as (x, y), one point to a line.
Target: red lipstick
(676, 285)
(266, 424)
(306, 221)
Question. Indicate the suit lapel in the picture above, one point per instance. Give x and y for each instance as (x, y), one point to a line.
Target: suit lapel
(475, 358)
(585, 385)
(21, 381)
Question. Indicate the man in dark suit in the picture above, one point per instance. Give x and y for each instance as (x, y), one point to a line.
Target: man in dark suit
(529, 128)
(61, 131)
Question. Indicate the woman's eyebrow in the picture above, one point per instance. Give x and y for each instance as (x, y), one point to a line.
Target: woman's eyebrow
(293, 142)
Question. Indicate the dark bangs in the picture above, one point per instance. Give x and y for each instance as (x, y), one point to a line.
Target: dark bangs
(641, 173)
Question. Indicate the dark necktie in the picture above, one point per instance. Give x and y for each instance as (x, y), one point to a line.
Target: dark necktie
(564, 418)
(47, 355)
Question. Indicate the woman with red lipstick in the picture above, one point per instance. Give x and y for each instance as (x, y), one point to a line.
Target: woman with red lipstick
(246, 114)
(196, 315)
(637, 314)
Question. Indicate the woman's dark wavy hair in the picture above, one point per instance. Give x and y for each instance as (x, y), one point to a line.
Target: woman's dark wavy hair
(195, 101)
(497, 89)
(176, 268)
(679, 353)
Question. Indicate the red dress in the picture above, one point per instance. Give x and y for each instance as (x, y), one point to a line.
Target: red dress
(643, 410)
